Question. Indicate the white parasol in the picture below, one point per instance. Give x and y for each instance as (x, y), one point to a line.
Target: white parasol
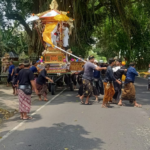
(32, 18)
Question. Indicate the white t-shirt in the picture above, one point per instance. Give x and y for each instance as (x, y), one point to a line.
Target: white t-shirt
(66, 37)
(115, 69)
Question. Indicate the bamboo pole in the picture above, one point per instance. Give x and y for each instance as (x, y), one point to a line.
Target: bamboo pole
(70, 53)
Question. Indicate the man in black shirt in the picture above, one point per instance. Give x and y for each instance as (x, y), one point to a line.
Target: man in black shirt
(25, 80)
(118, 72)
(108, 84)
(41, 83)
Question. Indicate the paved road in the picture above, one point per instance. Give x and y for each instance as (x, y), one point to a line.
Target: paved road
(64, 124)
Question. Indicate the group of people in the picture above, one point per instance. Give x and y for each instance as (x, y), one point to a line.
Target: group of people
(25, 81)
(112, 83)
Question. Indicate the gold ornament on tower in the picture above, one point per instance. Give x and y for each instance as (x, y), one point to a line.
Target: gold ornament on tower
(54, 5)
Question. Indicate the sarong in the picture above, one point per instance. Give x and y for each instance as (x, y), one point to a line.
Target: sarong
(87, 88)
(99, 86)
(117, 88)
(24, 102)
(42, 89)
(74, 79)
(9, 78)
(128, 93)
(108, 92)
(79, 79)
(80, 92)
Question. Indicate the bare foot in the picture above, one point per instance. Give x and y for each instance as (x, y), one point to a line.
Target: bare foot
(104, 106)
(138, 105)
(78, 96)
(45, 99)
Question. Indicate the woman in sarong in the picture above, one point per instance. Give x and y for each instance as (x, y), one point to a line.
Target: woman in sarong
(41, 83)
(25, 80)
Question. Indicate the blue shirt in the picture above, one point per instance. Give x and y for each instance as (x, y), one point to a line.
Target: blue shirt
(131, 73)
(11, 67)
(33, 69)
(96, 74)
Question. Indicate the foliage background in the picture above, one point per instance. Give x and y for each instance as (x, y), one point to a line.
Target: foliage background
(114, 27)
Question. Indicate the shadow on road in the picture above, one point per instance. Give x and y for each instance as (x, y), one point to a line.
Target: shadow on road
(57, 137)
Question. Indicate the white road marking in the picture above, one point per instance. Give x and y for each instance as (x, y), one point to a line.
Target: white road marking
(21, 124)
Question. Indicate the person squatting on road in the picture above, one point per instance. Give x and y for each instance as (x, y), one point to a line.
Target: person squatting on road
(89, 67)
(118, 72)
(41, 83)
(128, 93)
(25, 80)
(108, 84)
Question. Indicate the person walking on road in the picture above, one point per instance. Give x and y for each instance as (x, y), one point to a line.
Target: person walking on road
(118, 72)
(89, 67)
(108, 84)
(10, 74)
(25, 80)
(41, 83)
(15, 77)
(98, 84)
(128, 92)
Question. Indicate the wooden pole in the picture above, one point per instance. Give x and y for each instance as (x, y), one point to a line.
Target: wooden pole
(69, 53)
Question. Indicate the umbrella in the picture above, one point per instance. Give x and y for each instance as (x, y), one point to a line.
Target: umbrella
(61, 17)
(32, 18)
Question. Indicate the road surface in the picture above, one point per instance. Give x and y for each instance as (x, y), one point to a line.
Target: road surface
(64, 124)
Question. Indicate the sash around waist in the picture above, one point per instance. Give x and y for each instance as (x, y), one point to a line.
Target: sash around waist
(22, 87)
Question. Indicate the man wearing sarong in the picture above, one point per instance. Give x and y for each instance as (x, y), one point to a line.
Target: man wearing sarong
(118, 72)
(89, 67)
(108, 84)
(41, 83)
(128, 92)
(25, 80)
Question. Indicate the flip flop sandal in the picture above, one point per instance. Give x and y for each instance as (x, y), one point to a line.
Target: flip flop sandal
(88, 104)
(29, 118)
(121, 105)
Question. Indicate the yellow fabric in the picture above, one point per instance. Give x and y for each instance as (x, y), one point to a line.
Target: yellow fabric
(61, 17)
(123, 63)
(47, 33)
(123, 78)
(108, 93)
(146, 73)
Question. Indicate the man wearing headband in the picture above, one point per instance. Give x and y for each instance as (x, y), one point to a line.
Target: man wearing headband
(25, 84)
(108, 84)
(88, 77)
(118, 72)
(128, 93)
